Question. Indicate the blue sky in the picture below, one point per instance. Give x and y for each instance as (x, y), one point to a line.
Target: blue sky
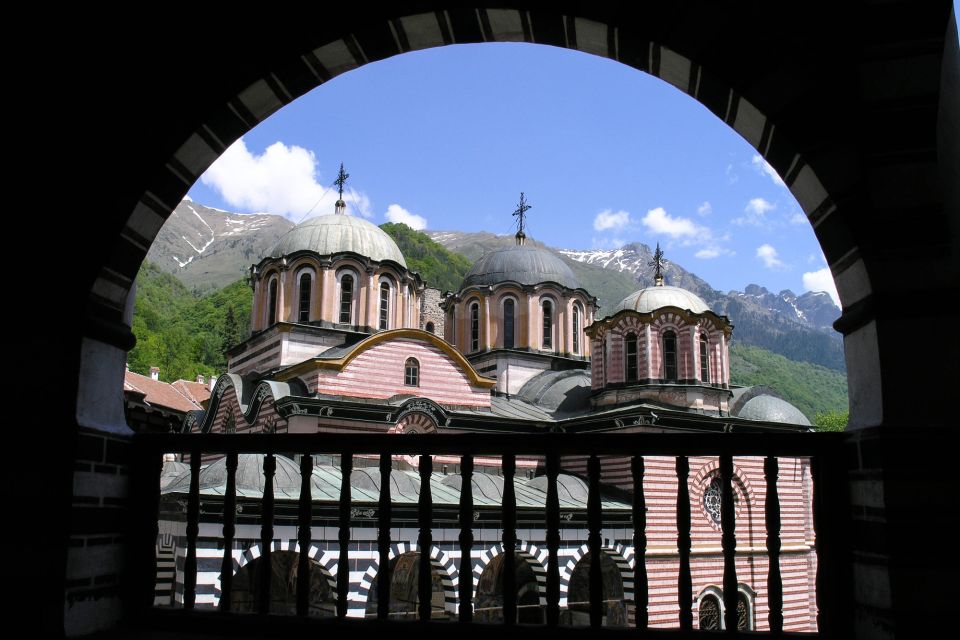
(446, 139)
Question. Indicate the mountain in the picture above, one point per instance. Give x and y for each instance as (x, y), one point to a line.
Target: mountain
(209, 248)
(797, 327)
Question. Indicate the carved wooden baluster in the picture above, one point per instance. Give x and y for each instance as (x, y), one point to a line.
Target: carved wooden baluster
(383, 539)
(266, 533)
(771, 471)
(425, 538)
(509, 572)
(553, 541)
(193, 530)
(640, 586)
(594, 526)
(229, 531)
(466, 539)
(728, 525)
(684, 580)
(343, 564)
(304, 534)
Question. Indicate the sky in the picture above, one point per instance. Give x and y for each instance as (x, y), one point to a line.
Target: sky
(448, 138)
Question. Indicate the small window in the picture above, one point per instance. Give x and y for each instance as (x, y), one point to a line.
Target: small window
(474, 327)
(411, 373)
(508, 323)
(304, 313)
(346, 299)
(670, 355)
(710, 619)
(430, 328)
(272, 312)
(576, 329)
(704, 359)
(547, 325)
(384, 306)
(631, 357)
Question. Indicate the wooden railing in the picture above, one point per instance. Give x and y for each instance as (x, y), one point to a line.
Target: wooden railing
(829, 509)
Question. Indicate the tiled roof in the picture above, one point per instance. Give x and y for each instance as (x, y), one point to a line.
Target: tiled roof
(158, 394)
(198, 392)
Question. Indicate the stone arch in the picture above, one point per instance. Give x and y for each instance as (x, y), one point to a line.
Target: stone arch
(440, 561)
(535, 557)
(744, 105)
(624, 570)
(613, 549)
(326, 562)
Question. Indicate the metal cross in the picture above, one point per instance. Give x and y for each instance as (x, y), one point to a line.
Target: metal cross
(521, 212)
(341, 180)
(657, 263)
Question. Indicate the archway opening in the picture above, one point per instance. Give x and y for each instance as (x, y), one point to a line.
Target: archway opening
(404, 591)
(613, 601)
(284, 566)
(488, 605)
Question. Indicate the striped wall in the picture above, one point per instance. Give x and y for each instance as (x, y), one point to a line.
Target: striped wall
(378, 373)
(662, 569)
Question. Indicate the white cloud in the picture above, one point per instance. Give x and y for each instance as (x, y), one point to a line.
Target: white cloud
(821, 280)
(763, 168)
(769, 256)
(282, 180)
(705, 209)
(756, 211)
(797, 218)
(396, 213)
(659, 221)
(607, 219)
(686, 232)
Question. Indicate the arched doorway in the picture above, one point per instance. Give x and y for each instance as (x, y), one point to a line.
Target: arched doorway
(488, 604)
(614, 606)
(284, 568)
(404, 594)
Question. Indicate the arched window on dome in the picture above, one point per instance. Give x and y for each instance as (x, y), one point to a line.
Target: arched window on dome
(630, 355)
(704, 359)
(272, 302)
(547, 343)
(346, 299)
(509, 323)
(474, 326)
(411, 373)
(430, 328)
(577, 315)
(303, 313)
(670, 356)
(384, 305)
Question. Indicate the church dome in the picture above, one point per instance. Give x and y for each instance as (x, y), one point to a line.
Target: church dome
(652, 298)
(524, 264)
(772, 409)
(339, 233)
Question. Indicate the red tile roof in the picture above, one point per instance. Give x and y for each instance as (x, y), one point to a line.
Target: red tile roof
(198, 392)
(159, 394)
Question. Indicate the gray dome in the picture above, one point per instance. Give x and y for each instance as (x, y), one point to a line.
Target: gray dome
(653, 298)
(337, 233)
(772, 409)
(524, 264)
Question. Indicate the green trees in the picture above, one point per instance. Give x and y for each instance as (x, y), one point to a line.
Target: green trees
(184, 333)
(831, 420)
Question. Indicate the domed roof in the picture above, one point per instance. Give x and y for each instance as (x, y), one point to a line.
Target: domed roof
(337, 233)
(772, 409)
(524, 264)
(652, 298)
